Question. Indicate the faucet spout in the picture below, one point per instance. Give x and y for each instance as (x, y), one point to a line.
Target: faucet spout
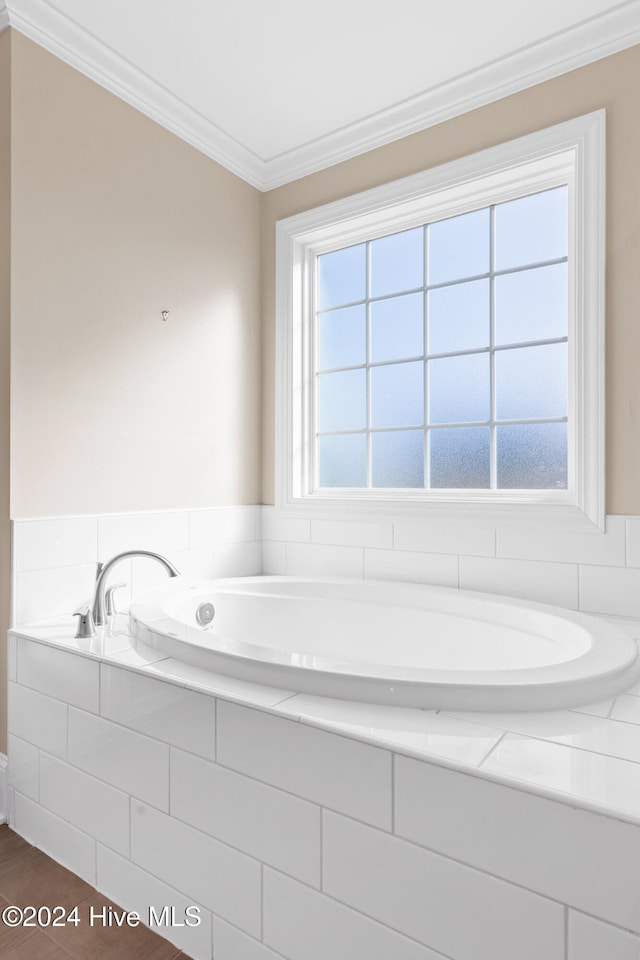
(99, 611)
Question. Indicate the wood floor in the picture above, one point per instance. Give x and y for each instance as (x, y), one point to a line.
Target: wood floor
(29, 877)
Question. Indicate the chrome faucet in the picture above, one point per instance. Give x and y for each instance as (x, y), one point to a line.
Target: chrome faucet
(99, 611)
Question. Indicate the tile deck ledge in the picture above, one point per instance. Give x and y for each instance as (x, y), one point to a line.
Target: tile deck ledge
(587, 756)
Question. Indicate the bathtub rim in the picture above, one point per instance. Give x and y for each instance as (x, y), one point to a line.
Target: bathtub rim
(606, 668)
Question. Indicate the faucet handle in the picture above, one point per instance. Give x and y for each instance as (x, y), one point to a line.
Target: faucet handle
(109, 602)
(86, 627)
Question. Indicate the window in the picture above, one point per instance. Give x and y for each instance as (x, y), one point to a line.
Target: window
(440, 338)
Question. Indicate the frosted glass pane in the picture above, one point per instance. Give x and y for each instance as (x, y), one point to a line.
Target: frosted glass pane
(398, 458)
(342, 460)
(342, 276)
(531, 305)
(459, 388)
(459, 247)
(342, 337)
(531, 382)
(397, 395)
(459, 457)
(531, 229)
(342, 403)
(459, 317)
(532, 456)
(397, 262)
(397, 328)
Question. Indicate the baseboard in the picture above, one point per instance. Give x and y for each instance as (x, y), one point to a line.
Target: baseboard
(4, 813)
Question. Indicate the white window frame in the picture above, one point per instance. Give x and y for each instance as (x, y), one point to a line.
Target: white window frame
(571, 153)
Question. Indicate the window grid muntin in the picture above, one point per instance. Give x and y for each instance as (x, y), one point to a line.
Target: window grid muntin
(426, 357)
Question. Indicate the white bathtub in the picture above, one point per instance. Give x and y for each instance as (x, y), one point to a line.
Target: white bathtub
(392, 643)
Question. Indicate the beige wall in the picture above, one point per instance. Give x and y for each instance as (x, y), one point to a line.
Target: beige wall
(612, 83)
(113, 220)
(5, 293)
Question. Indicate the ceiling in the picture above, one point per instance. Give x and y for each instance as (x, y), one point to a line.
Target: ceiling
(276, 89)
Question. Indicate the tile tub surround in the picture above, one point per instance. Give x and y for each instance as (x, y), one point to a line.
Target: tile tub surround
(305, 828)
(54, 559)
(590, 571)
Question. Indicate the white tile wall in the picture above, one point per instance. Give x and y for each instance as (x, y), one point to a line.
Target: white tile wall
(76, 680)
(135, 889)
(54, 559)
(216, 875)
(133, 763)
(240, 829)
(307, 762)
(509, 833)
(447, 865)
(38, 719)
(605, 782)
(89, 804)
(62, 841)
(591, 940)
(23, 771)
(555, 583)
(268, 824)
(304, 925)
(161, 710)
(318, 560)
(445, 905)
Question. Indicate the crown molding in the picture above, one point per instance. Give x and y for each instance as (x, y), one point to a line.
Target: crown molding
(585, 43)
(60, 35)
(591, 40)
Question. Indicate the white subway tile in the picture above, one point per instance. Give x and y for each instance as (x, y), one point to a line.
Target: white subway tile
(304, 925)
(237, 559)
(420, 731)
(52, 593)
(126, 760)
(89, 804)
(555, 583)
(445, 905)
(599, 708)
(57, 838)
(41, 544)
(433, 568)
(569, 727)
(627, 708)
(163, 710)
(607, 783)
(159, 532)
(322, 767)
(197, 678)
(590, 939)
(566, 546)
(208, 528)
(135, 889)
(289, 529)
(63, 676)
(23, 767)
(575, 856)
(262, 821)
(38, 719)
(610, 590)
(274, 557)
(230, 943)
(633, 541)
(222, 879)
(352, 533)
(12, 658)
(446, 536)
(317, 560)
